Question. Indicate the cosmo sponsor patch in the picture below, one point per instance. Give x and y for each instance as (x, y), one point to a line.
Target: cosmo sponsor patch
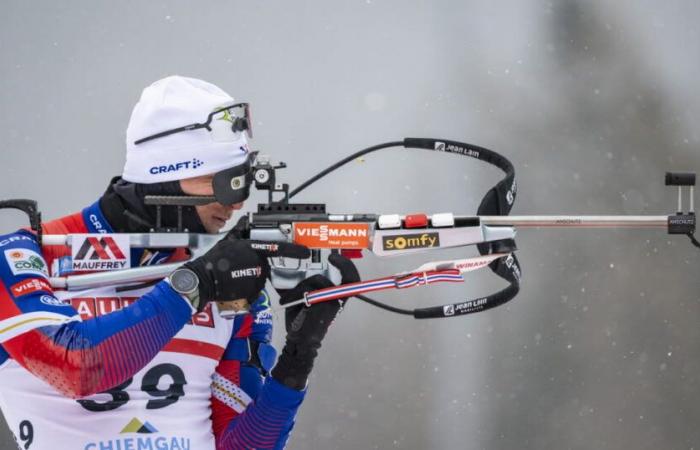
(332, 235)
(29, 286)
(23, 261)
(100, 252)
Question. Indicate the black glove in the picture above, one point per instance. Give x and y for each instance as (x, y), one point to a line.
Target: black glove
(308, 325)
(235, 269)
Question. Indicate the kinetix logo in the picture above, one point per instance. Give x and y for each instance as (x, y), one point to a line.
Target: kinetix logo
(252, 272)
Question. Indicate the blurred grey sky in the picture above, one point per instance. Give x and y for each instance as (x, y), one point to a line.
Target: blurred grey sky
(592, 101)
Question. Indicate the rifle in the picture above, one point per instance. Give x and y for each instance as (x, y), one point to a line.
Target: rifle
(491, 230)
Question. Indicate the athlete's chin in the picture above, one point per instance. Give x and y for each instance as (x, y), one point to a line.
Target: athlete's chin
(214, 225)
(213, 229)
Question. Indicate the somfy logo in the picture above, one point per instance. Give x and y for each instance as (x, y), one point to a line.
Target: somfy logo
(411, 241)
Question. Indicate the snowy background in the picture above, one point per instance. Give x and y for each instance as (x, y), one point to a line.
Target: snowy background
(592, 101)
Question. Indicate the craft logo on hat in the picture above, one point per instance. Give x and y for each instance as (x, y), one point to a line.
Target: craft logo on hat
(176, 167)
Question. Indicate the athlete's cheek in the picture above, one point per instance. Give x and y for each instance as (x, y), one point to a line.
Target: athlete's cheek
(206, 216)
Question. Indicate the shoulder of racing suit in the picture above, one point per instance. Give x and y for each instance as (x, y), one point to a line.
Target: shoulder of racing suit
(41, 333)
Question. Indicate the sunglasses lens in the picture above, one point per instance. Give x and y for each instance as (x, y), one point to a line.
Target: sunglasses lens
(248, 119)
(227, 125)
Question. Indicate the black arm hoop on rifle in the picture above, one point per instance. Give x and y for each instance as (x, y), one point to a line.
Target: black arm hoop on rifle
(30, 208)
(497, 201)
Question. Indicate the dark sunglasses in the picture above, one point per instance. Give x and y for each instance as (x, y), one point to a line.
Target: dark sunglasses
(238, 123)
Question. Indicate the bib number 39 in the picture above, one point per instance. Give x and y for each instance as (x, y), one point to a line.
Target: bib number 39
(149, 385)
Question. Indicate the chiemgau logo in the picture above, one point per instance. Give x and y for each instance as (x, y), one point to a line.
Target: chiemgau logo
(411, 241)
(147, 437)
(176, 167)
(136, 426)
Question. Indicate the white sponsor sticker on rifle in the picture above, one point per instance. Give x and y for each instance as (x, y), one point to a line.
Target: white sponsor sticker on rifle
(100, 252)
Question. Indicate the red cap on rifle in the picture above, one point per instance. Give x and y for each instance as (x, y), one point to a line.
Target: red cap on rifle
(416, 221)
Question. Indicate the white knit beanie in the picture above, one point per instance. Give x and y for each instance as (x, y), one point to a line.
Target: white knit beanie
(170, 103)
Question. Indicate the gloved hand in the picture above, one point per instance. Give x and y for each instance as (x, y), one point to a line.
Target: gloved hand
(235, 269)
(308, 325)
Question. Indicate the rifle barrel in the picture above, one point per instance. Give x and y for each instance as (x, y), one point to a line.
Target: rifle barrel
(577, 221)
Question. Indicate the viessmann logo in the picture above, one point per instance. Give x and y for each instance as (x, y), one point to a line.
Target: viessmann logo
(410, 241)
(332, 235)
(29, 286)
(97, 252)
